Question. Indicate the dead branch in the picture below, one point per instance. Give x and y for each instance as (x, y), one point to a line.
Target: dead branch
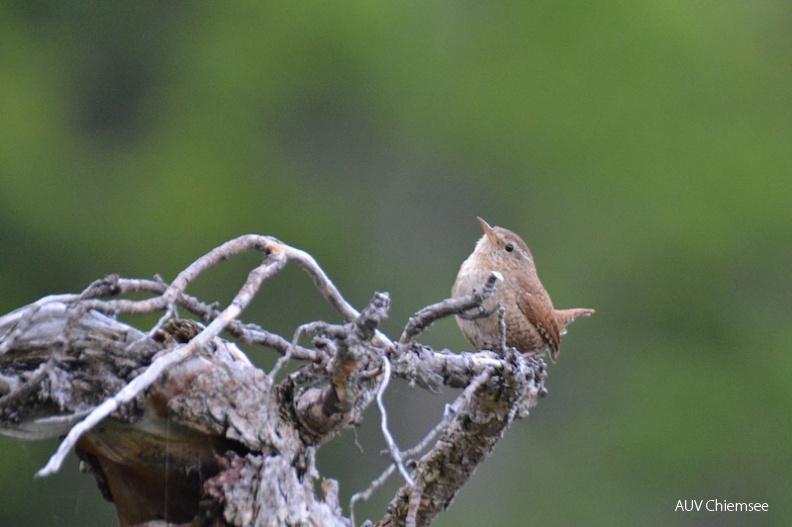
(177, 403)
(469, 306)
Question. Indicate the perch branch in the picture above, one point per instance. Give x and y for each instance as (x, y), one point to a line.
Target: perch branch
(424, 318)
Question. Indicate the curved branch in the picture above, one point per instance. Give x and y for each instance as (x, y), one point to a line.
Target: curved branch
(424, 318)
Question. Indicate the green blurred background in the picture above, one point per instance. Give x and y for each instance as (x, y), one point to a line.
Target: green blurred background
(643, 150)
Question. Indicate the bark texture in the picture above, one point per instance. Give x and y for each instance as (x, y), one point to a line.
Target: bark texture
(178, 427)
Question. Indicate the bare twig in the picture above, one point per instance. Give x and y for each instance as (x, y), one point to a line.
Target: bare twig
(246, 333)
(170, 312)
(393, 449)
(424, 318)
(366, 494)
(266, 244)
(328, 289)
(253, 334)
(388, 472)
(286, 357)
(448, 412)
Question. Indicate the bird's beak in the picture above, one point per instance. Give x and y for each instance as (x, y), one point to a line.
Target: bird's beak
(488, 230)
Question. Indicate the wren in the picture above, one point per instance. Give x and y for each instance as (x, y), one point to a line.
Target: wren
(532, 324)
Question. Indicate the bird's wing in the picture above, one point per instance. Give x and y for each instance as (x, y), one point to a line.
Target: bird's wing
(539, 311)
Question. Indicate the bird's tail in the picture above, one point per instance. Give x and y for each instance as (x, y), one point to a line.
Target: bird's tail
(565, 317)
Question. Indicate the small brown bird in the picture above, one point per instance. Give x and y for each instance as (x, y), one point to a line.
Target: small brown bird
(533, 325)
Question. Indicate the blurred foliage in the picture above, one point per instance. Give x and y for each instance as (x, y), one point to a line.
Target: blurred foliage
(641, 149)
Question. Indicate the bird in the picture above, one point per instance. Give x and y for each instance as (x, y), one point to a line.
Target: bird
(532, 324)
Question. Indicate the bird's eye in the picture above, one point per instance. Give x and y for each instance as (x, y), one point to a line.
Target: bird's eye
(509, 247)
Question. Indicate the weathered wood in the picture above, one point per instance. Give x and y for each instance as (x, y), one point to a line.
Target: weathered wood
(206, 438)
